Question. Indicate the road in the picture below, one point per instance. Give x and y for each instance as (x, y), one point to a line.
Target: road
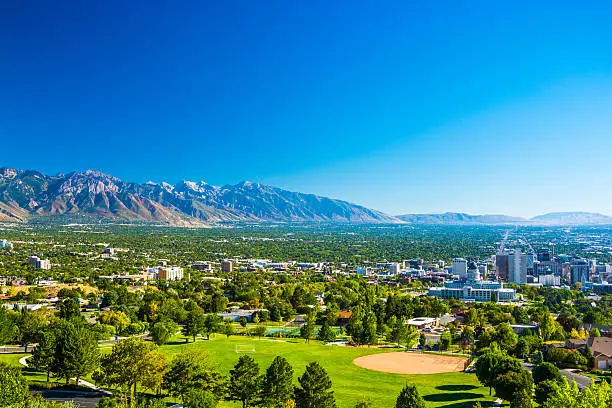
(581, 380)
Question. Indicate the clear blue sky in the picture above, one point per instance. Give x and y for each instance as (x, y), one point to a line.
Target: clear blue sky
(482, 107)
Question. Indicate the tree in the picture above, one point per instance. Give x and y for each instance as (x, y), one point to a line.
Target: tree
(132, 362)
(160, 333)
(492, 363)
(277, 386)
(364, 403)
(76, 351)
(198, 398)
(192, 370)
(8, 326)
(195, 324)
(211, 324)
(507, 385)
(544, 389)
(521, 400)
(422, 340)
(244, 385)
(545, 371)
(227, 327)
(445, 341)
(307, 331)
(13, 386)
(594, 332)
(326, 333)
(409, 398)
(259, 331)
(68, 308)
(315, 388)
(118, 320)
(31, 325)
(369, 334)
(43, 355)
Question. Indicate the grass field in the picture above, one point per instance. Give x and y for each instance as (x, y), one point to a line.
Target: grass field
(350, 382)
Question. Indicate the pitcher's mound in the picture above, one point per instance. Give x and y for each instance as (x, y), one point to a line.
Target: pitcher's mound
(411, 363)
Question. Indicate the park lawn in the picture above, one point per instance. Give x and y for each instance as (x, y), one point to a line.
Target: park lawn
(351, 383)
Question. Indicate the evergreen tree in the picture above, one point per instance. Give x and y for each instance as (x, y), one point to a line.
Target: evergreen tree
(43, 355)
(315, 388)
(76, 352)
(326, 333)
(409, 398)
(307, 330)
(245, 381)
(278, 383)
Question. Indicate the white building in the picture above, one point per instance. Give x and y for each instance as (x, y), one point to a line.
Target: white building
(39, 263)
(517, 267)
(550, 280)
(171, 273)
(5, 244)
(460, 267)
(394, 268)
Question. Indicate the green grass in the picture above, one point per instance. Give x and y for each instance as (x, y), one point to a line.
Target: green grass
(350, 382)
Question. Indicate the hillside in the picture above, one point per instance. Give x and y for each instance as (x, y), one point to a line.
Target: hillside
(573, 218)
(25, 194)
(451, 218)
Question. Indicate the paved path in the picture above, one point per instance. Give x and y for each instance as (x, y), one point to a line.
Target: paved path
(86, 384)
(581, 380)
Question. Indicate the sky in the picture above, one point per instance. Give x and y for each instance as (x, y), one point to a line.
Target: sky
(472, 106)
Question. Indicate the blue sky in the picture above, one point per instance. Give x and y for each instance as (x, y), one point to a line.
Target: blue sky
(436, 106)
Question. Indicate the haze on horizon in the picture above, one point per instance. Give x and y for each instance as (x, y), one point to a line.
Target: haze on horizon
(423, 108)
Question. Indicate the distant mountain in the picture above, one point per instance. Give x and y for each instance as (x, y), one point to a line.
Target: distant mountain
(452, 218)
(573, 218)
(25, 194)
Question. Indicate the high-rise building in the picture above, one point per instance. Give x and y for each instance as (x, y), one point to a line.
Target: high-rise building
(501, 266)
(227, 266)
(460, 267)
(517, 267)
(579, 270)
(39, 263)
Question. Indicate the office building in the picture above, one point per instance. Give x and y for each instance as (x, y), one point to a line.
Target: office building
(460, 268)
(517, 267)
(579, 270)
(501, 266)
(227, 266)
(202, 266)
(39, 263)
(173, 273)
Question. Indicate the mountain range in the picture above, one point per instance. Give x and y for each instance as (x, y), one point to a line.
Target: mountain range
(554, 218)
(28, 194)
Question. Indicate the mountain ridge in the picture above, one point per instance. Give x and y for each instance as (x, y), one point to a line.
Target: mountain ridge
(30, 193)
(552, 218)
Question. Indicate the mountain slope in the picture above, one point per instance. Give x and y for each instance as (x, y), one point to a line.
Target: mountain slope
(459, 219)
(573, 218)
(26, 193)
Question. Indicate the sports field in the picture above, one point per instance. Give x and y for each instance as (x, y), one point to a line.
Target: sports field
(411, 363)
(351, 383)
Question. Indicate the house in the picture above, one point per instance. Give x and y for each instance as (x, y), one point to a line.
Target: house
(422, 322)
(601, 348)
(344, 316)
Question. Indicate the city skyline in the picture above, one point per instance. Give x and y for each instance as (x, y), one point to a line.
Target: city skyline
(398, 108)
